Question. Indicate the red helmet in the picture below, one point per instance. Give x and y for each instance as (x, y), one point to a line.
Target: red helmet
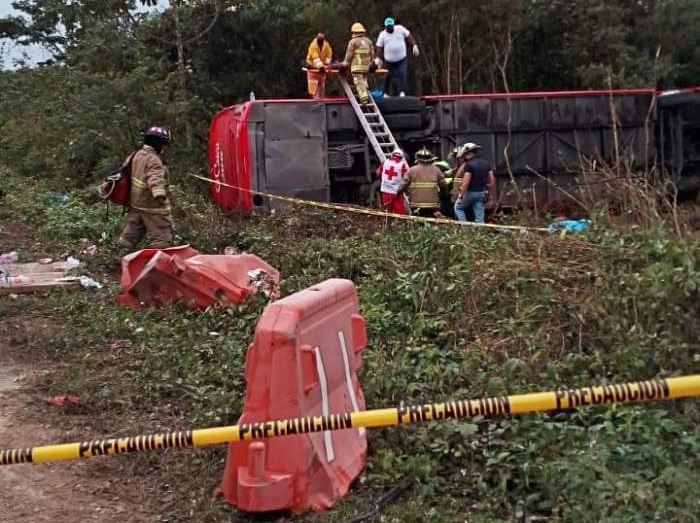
(159, 131)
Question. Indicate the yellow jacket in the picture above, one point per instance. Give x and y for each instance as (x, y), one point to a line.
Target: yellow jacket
(149, 180)
(359, 54)
(316, 57)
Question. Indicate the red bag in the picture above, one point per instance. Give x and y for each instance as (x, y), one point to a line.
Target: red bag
(117, 185)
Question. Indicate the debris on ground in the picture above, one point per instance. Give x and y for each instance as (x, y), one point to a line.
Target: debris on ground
(157, 277)
(7, 258)
(89, 283)
(23, 278)
(62, 400)
(72, 262)
(568, 226)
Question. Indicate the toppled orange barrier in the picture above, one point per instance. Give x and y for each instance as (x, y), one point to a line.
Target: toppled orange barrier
(303, 361)
(181, 274)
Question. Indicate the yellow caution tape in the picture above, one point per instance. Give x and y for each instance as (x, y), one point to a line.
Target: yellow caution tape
(371, 212)
(563, 399)
(333, 72)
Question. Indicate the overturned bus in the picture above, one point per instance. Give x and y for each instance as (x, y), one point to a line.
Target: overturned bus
(317, 149)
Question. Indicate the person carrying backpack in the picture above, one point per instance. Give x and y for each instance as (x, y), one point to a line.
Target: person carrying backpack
(149, 205)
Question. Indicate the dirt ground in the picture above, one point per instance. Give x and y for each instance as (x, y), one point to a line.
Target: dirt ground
(70, 492)
(102, 490)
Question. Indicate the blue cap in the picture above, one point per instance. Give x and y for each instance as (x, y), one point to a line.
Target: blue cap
(388, 21)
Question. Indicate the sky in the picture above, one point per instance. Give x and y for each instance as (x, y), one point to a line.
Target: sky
(33, 54)
(10, 52)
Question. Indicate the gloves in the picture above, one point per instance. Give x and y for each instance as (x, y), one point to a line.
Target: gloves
(416, 51)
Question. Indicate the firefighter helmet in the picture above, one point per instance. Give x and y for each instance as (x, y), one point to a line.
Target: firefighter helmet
(357, 27)
(443, 166)
(468, 148)
(159, 131)
(424, 155)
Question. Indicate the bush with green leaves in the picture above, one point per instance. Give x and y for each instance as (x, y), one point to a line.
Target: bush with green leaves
(450, 313)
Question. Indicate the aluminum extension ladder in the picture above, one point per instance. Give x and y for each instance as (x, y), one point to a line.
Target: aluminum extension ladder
(376, 129)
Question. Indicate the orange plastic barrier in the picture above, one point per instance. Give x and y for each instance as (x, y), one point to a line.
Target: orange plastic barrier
(156, 277)
(304, 361)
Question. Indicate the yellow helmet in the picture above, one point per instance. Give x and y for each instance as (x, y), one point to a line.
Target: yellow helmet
(357, 27)
(424, 155)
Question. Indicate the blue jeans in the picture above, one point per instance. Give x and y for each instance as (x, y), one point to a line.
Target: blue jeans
(459, 211)
(475, 200)
(396, 71)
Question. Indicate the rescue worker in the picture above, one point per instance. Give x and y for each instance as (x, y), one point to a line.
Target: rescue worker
(358, 57)
(391, 49)
(445, 207)
(149, 210)
(456, 186)
(318, 63)
(479, 181)
(392, 172)
(423, 183)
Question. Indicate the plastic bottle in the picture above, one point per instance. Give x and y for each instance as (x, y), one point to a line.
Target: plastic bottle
(252, 96)
(12, 281)
(9, 257)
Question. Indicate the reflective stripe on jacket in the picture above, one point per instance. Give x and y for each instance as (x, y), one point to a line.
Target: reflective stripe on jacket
(316, 57)
(457, 183)
(149, 180)
(423, 182)
(359, 54)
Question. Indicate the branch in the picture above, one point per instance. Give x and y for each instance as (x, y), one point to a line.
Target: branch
(217, 11)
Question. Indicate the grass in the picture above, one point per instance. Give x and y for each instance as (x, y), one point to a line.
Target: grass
(449, 314)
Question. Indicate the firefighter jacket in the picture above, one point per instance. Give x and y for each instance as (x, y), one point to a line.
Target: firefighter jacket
(423, 183)
(457, 182)
(149, 180)
(359, 54)
(318, 58)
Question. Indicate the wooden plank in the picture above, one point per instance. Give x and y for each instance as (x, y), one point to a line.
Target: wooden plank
(27, 288)
(41, 278)
(17, 269)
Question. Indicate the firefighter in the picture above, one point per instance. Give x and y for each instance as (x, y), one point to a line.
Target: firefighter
(358, 57)
(423, 183)
(392, 172)
(149, 210)
(318, 63)
(445, 207)
(457, 179)
(478, 181)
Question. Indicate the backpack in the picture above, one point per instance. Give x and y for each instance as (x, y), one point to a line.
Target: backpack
(116, 187)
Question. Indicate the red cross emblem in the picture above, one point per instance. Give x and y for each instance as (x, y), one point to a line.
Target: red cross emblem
(391, 172)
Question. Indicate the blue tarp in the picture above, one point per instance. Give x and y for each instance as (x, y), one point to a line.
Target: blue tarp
(569, 226)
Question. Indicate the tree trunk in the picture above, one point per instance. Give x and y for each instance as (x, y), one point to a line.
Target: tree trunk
(182, 71)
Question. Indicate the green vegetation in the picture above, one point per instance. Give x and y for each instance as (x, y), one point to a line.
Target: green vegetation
(114, 70)
(449, 314)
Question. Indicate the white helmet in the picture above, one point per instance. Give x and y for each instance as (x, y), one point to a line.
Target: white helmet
(397, 152)
(468, 148)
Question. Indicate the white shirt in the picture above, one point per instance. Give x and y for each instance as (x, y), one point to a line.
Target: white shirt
(393, 172)
(394, 44)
